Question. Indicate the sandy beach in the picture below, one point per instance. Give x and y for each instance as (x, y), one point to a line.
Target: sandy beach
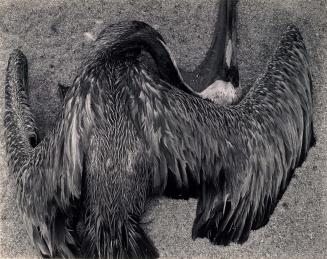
(55, 34)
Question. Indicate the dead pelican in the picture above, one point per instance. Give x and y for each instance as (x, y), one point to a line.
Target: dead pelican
(125, 133)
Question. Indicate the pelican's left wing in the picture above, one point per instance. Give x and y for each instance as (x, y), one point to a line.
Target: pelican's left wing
(240, 158)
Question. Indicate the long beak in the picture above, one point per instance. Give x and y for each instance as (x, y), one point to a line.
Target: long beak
(220, 62)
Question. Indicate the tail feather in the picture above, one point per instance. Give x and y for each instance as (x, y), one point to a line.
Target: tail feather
(140, 245)
(123, 239)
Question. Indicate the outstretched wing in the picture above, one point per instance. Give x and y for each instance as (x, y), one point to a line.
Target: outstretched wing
(49, 175)
(240, 158)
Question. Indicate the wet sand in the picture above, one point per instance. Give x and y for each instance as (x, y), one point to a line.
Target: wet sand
(53, 37)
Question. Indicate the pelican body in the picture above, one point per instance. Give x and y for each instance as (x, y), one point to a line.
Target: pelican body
(126, 133)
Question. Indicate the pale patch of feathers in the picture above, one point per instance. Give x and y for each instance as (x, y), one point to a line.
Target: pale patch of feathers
(220, 92)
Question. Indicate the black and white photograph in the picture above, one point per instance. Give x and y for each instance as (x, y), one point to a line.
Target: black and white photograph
(163, 129)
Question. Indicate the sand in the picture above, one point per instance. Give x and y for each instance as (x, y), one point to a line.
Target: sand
(53, 35)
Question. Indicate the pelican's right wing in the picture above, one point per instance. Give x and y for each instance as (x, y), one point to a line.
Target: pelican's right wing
(49, 175)
(239, 158)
